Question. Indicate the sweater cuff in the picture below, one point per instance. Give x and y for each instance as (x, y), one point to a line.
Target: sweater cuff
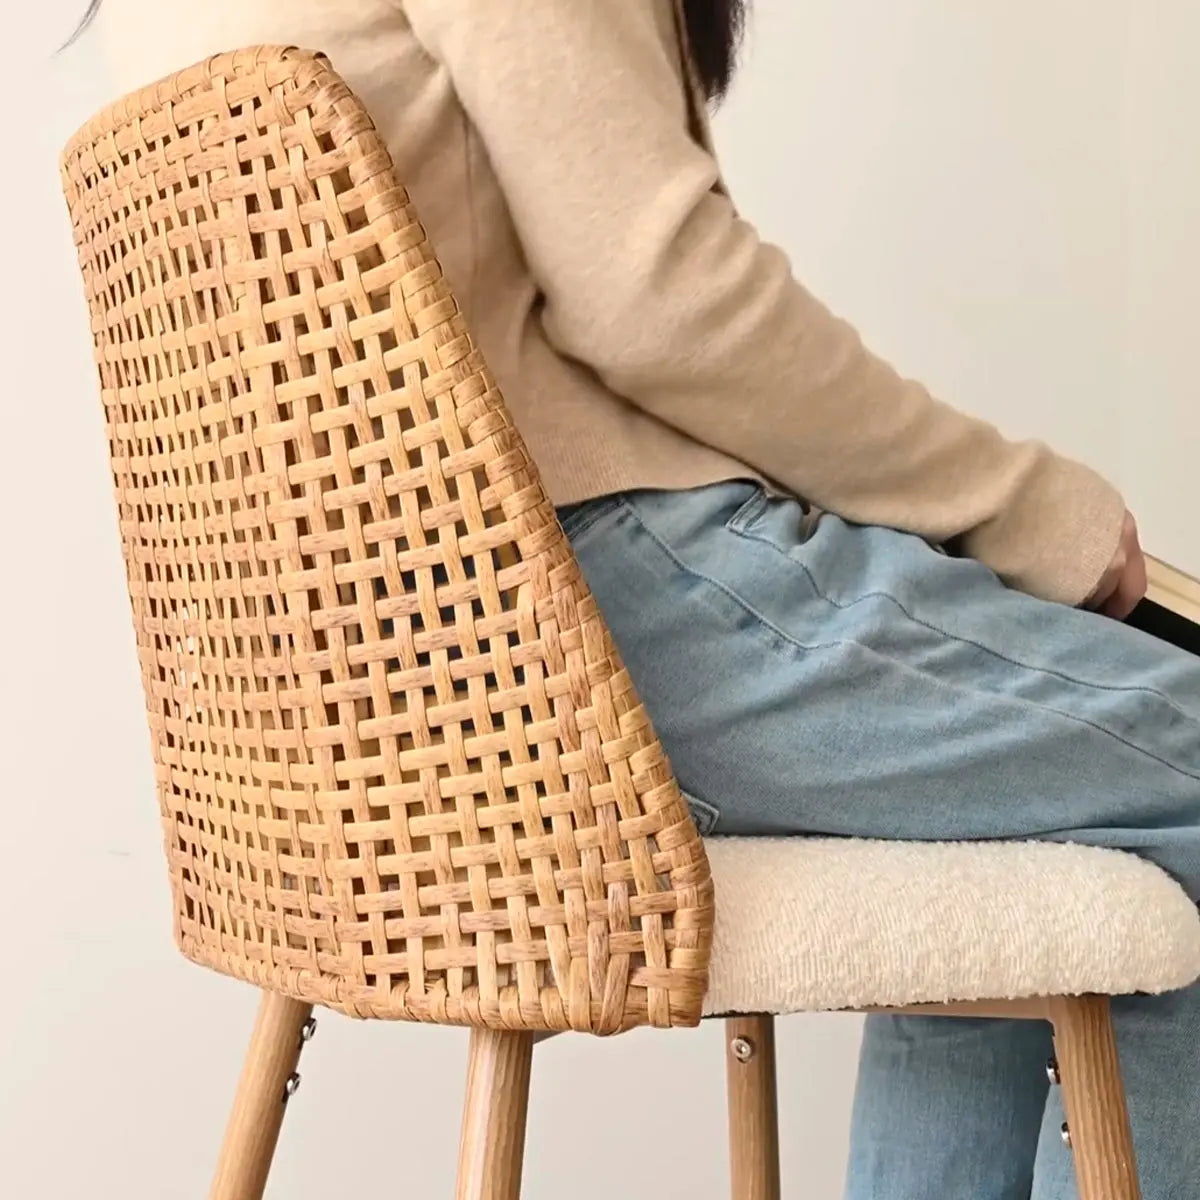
(1058, 537)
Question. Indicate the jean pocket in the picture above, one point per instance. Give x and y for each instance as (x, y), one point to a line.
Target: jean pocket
(785, 522)
(704, 814)
(577, 519)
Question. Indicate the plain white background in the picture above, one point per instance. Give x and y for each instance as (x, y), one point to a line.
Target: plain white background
(1001, 195)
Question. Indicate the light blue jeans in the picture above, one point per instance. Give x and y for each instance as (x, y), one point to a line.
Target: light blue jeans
(808, 676)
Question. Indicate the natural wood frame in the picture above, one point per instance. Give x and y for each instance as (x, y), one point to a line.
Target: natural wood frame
(1174, 590)
(497, 1097)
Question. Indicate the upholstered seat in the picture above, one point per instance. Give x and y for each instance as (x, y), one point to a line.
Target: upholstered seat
(815, 924)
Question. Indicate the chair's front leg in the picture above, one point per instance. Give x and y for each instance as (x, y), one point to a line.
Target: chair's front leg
(268, 1078)
(753, 1115)
(1094, 1098)
(492, 1149)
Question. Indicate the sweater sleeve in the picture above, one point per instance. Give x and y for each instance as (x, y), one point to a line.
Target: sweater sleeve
(650, 278)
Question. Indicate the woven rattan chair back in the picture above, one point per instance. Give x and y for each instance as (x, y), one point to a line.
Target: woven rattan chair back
(401, 769)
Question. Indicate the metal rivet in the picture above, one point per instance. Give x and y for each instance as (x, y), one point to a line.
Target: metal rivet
(742, 1048)
(1052, 1072)
(1066, 1134)
(291, 1087)
(308, 1029)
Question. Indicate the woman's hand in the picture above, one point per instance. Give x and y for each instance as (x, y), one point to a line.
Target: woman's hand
(1124, 583)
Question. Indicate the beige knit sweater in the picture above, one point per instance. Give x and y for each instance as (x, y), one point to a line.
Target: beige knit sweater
(643, 334)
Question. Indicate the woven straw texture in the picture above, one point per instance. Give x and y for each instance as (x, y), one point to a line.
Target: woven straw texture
(401, 770)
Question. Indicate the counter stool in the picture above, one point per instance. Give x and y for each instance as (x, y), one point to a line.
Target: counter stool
(401, 770)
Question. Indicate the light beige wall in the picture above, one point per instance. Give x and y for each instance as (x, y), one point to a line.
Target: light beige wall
(1160, 424)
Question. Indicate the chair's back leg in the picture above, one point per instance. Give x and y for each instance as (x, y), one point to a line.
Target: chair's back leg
(753, 1115)
(492, 1149)
(1094, 1098)
(253, 1129)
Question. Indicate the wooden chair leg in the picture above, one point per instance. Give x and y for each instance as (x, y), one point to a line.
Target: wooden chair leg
(1094, 1098)
(280, 1031)
(753, 1114)
(492, 1149)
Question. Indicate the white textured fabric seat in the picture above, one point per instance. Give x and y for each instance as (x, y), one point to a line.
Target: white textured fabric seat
(816, 924)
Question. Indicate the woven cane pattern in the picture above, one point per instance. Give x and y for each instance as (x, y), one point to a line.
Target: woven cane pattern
(401, 770)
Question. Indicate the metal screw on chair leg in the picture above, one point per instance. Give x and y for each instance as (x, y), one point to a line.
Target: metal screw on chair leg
(291, 1087)
(308, 1030)
(742, 1048)
(1053, 1073)
(1065, 1134)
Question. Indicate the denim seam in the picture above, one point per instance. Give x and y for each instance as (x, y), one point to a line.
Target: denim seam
(763, 620)
(1119, 689)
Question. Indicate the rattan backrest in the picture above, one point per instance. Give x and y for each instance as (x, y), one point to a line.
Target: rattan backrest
(401, 769)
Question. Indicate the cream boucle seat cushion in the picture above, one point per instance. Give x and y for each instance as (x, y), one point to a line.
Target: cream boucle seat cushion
(815, 924)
